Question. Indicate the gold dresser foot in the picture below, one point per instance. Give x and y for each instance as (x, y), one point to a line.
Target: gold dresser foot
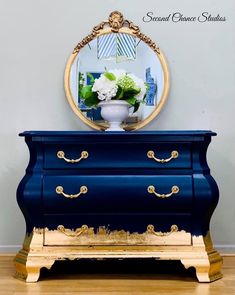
(28, 268)
(207, 268)
(29, 260)
(206, 260)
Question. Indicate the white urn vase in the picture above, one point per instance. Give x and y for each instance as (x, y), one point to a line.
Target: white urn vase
(114, 112)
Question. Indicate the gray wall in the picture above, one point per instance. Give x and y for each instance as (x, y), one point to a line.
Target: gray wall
(38, 36)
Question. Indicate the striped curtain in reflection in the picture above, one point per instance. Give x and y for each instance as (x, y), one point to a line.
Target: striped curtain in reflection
(117, 46)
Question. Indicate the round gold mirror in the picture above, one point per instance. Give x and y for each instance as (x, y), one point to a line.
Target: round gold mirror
(116, 50)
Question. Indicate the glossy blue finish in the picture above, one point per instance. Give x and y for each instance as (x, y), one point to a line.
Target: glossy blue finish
(115, 193)
(117, 155)
(117, 174)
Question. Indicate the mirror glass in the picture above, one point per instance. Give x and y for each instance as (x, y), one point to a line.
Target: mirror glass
(117, 51)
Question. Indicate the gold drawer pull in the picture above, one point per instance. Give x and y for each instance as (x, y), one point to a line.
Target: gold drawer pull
(60, 191)
(174, 190)
(73, 234)
(151, 155)
(61, 155)
(150, 229)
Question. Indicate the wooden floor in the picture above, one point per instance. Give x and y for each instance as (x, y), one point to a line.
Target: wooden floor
(116, 277)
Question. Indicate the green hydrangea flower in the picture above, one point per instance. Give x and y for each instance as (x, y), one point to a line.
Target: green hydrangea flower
(126, 83)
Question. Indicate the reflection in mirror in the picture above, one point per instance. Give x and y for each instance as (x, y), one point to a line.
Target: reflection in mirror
(117, 51)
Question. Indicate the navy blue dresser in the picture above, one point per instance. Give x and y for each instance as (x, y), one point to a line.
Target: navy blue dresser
(118, 195)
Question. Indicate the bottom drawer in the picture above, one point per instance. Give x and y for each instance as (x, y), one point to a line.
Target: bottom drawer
(134, 229)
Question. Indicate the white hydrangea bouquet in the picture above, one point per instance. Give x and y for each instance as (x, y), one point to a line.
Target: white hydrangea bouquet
(115, 85)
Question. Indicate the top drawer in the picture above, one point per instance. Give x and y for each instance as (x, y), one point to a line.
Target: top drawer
(129, 155)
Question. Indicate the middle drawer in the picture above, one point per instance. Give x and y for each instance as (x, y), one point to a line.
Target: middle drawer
(117, 193)
(118, 156)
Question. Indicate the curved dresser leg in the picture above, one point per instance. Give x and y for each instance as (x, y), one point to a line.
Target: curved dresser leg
(31, 258)
(205, 259)
(33, 274)
(207, 268)
(28, 267)
(33, 267)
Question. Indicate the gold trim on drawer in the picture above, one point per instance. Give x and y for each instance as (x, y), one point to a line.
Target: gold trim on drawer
(60, 191)
(61, 155)
(86, 235)
(151, 155)
(174, 190)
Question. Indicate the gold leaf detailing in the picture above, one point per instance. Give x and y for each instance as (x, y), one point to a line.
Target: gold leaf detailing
(88, 235)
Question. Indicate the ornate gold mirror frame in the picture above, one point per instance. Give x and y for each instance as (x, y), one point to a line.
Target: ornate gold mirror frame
(116, 24)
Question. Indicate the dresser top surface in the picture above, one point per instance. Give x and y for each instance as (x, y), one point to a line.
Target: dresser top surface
(118, 133)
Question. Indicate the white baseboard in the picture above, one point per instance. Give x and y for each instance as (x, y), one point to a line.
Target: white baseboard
(9, 248)
(223, 249)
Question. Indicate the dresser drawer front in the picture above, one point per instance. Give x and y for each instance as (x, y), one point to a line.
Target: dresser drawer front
(130, 230)
(115, 194)
(109, 156)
